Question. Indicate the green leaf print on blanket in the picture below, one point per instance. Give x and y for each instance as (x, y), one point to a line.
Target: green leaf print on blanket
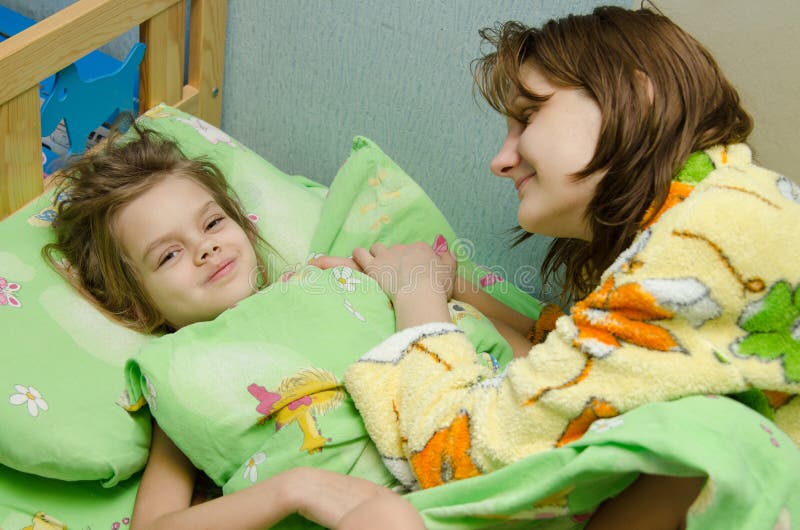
(773, 324)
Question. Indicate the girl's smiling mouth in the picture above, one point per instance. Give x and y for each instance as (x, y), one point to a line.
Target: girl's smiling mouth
(223, 270)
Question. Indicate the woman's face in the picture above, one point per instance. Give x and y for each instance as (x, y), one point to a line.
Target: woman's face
(192, 259)
(541, 155)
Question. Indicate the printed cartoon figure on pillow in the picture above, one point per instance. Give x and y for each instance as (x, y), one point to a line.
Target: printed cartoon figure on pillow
(298, 399)
(42, 521)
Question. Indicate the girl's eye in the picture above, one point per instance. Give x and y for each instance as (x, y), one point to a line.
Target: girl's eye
(168, 256)
(214, 222)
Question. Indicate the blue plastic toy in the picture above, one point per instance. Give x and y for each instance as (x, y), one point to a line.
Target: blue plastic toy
(113, 86)
(76, 101)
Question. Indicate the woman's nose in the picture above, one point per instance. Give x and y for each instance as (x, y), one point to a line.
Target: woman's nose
(507, 158)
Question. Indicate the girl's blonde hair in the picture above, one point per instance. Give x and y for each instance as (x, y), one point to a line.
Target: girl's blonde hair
(648, 129)
(92, 190)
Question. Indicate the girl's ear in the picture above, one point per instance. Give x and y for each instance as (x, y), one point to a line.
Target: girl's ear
(645, 79)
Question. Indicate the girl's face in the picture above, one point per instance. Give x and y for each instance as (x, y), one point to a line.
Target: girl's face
(193, 260)
(541, 155)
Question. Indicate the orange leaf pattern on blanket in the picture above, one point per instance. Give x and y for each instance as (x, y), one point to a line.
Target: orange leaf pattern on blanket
(777, 399)
(558, 498)
(678, 191)
(587, 369)
(544, 324)
(594, 410)
(611, 314)
(446, 456)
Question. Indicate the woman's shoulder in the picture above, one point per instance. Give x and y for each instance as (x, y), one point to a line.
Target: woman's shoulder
(733, 186)
(735, 170)
(737, 213)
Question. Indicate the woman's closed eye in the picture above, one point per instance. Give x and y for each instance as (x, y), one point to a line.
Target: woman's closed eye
(527, 114)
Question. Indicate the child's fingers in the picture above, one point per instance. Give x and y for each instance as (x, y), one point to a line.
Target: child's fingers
(328, 262)
(377, 248)
(362, 257)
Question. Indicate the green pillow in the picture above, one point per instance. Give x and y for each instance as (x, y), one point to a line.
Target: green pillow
(372, 199)
(61, 363)
(62, 359)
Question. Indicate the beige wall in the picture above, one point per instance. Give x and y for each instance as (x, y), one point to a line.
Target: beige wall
(756, 44)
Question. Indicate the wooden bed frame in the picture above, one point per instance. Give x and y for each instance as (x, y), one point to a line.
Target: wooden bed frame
(59, 40)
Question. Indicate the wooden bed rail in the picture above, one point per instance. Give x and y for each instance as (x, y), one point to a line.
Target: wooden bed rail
(59, 40)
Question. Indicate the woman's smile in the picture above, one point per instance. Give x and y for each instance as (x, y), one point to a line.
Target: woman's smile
(519, 183)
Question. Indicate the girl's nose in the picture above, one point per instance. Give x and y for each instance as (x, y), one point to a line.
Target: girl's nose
(507, 158)
(206, 250)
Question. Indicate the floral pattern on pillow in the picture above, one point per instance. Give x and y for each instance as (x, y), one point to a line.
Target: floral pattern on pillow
(7, 298)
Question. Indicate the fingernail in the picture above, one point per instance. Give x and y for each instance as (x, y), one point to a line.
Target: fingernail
(440, 245)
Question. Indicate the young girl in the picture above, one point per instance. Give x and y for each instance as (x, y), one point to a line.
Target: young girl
(158, 241)
(623, 143)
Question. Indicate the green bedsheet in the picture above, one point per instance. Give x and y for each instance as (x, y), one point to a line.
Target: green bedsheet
(82, 505)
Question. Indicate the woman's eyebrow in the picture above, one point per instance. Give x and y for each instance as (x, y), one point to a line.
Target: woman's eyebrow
(519, 105)
(523, 101)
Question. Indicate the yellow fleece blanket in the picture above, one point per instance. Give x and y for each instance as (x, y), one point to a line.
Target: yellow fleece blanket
(705, 301)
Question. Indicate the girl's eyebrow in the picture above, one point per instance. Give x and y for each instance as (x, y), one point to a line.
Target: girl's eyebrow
(161, 240)
(152, 246)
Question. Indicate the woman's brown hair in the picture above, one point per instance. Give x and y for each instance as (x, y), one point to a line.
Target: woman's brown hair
(92, 189)
(661, 94)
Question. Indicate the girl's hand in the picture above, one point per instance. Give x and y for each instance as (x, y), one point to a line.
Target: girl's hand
(403, 270)
(334, 500)
(329, 262)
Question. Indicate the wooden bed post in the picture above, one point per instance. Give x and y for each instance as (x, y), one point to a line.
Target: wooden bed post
(206, 57)
(161, 81)
(161, 77)
(20, 151)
